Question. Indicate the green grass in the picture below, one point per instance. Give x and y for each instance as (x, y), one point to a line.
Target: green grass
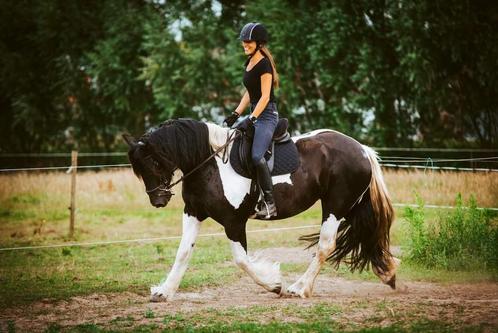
(59, 273)
(35, 218)
(461, 239)
(29, 206)
(63, 272)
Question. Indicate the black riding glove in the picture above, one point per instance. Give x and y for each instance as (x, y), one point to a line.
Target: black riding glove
(231, 119)
(247, 123)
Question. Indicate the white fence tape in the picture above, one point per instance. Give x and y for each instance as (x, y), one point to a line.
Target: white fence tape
(145, 240)
(156, 239)
(68, 168)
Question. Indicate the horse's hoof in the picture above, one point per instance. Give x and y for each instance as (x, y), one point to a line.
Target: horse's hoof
(298, 292)
(392, 282)
(277, 290)
(159, 297)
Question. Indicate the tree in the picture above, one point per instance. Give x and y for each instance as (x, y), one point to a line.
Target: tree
(386, 72)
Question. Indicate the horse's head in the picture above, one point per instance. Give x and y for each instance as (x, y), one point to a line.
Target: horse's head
(155, 170)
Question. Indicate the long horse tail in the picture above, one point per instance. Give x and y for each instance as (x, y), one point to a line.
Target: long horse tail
(363, 235)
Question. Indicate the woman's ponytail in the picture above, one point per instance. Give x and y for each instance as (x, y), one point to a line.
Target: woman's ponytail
(264, 49)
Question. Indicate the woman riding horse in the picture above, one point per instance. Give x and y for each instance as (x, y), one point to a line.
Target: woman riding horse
(334, 168)
(260, 78)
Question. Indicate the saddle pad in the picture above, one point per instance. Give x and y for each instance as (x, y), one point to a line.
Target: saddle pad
(286, 159)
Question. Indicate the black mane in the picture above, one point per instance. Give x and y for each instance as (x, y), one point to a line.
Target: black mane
(182, 142)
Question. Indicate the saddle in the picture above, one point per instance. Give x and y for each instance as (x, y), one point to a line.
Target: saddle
(282, 156)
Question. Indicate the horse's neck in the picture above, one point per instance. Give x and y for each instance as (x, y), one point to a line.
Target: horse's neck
(217, 135)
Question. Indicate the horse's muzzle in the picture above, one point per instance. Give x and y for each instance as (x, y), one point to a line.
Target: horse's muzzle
(160, 198)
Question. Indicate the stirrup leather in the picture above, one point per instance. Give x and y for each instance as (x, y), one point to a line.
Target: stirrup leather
(266, 210)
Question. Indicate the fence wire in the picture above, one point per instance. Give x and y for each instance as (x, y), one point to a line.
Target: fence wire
(217, 234)
(383, 163)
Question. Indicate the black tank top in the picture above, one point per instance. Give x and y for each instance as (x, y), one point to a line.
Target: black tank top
(252, 79)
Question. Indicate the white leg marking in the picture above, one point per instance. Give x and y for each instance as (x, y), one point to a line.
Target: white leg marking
(328, 233)
(262, 271)
(167, 289)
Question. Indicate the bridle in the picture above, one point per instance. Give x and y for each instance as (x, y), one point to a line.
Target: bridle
(165, 187)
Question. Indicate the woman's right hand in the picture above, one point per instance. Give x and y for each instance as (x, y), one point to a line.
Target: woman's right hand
(231, 119)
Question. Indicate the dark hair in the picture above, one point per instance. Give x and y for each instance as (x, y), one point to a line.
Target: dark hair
(182, 142)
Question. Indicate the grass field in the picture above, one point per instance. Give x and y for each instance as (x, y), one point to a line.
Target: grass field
(112, 205)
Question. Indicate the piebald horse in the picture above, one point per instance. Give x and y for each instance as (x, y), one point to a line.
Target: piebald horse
(334, 168)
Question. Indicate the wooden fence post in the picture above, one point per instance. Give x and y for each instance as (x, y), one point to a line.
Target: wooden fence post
(72, 208)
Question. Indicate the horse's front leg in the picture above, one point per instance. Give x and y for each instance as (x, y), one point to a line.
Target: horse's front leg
(166, 290)
(262, 271)
(326, 245)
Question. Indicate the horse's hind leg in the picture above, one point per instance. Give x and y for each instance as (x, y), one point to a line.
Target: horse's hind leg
(388, 277)
(326, 245)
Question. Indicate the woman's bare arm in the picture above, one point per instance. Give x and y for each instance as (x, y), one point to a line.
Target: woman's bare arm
(244, 102)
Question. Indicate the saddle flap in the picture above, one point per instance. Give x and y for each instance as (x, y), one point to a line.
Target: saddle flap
(284, 157)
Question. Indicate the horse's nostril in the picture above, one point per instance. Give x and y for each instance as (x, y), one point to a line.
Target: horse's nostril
(159, 204)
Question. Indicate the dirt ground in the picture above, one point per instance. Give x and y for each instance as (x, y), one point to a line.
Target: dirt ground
(469, 304)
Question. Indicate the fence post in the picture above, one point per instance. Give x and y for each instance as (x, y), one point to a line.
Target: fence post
(72, 208)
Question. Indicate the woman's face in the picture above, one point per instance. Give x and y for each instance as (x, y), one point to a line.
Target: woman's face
(249, 47)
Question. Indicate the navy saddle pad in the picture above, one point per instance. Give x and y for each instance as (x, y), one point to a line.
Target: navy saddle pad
(283, 158)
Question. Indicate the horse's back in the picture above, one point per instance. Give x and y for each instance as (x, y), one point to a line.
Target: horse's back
(338, 162)
(335, 147)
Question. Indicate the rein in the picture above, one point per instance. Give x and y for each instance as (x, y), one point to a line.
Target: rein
(167, 188)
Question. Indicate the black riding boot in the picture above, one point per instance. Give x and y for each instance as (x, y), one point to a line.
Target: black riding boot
(267, 208)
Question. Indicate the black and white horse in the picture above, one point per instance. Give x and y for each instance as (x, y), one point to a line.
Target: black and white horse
(334, 168)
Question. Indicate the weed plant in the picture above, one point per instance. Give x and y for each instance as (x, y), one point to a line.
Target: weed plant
(460, 239)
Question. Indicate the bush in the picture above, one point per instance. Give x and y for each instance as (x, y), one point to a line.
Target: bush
(461, 238)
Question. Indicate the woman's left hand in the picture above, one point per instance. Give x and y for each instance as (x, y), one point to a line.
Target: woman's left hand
(247, 123)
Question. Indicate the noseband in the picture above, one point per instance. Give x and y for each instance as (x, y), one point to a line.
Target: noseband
(163, 189)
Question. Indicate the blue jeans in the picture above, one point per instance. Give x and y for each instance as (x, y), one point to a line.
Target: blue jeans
(263, 131)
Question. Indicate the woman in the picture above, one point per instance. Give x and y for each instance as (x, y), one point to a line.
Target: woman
(260, 78)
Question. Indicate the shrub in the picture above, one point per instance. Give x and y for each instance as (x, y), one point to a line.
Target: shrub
(460, 238)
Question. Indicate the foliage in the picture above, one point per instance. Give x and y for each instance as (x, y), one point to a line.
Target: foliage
(463, 238)
(400, 73)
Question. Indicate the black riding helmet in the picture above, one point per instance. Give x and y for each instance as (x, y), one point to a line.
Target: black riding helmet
(254, 31)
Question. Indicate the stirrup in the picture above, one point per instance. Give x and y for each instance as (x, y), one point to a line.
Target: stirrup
(266, 210)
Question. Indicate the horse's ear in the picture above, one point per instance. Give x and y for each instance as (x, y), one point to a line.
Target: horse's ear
(130, 140)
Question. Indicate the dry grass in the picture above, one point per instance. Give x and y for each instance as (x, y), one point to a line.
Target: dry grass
(441, 188)
(113, 189)
(112, 205)
(105, 189)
